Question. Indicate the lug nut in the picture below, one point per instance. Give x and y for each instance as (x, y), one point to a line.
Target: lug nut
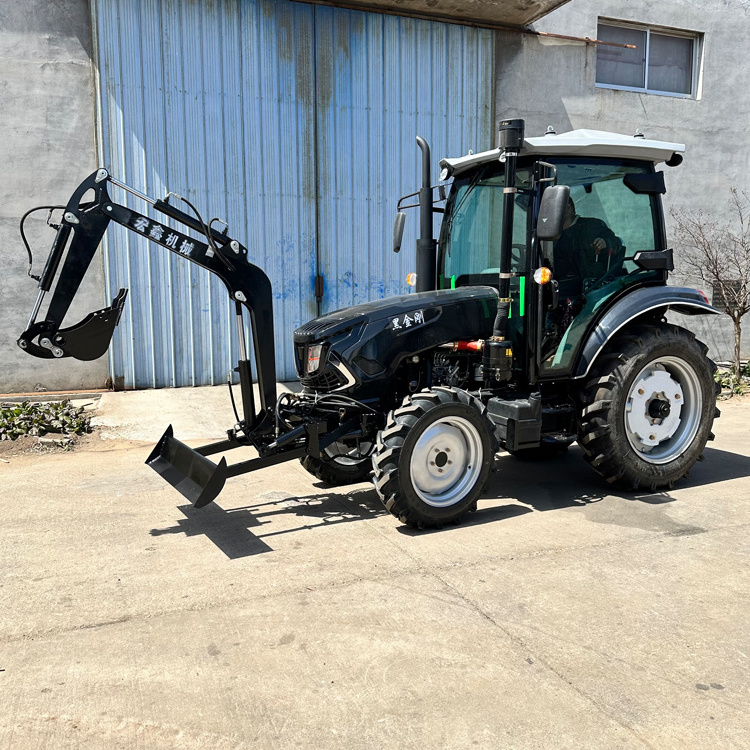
(677, 396)
(652, 437)
(432, 463)
(640, 391)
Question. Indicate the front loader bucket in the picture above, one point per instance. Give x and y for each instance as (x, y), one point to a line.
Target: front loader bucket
(193, 475)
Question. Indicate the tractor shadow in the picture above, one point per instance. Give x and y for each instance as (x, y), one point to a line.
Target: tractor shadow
(566, 481)
(551, 484)
(240, 532)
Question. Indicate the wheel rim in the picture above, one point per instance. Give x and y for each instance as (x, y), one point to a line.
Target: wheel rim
(663, 410)
(446, 461)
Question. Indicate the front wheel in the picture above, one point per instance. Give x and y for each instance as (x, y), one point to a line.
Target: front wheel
(433, 457)
(647, 411)
(340, 464)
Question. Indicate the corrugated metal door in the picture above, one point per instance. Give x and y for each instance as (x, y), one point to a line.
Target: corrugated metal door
(381, 81)
(293, 122)
(212, 101)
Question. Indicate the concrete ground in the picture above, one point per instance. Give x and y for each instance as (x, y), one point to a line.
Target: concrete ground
(289, 614)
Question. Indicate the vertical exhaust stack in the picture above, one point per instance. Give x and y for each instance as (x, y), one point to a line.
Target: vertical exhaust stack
(426, 244)
(498, 351)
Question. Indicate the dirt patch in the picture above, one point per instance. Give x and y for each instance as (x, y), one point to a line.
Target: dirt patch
(736, 399)
(50, 443)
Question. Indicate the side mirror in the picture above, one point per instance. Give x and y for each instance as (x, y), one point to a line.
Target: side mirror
(549, 225)
(398, 230)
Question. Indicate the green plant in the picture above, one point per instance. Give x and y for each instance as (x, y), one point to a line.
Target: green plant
(730, 385)
(58, 417)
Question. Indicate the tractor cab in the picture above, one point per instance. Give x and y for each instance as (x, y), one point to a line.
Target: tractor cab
(611, 239)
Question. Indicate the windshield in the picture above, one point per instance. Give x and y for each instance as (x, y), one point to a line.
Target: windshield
(470, 237)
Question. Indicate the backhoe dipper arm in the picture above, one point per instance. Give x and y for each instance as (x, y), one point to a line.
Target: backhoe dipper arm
(87, 222)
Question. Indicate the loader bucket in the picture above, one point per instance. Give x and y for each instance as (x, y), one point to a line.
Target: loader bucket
(193, 475)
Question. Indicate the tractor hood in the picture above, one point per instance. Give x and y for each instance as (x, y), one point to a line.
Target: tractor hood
(366, 343)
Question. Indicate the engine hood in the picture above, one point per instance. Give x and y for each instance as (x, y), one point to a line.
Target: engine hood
(336, 322)
(363, 346)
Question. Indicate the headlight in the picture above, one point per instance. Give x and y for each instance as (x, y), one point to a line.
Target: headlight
(313, 358)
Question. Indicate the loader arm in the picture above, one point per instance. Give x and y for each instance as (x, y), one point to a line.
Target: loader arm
(80, 233)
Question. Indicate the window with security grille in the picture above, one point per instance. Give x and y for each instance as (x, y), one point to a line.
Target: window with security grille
(653, 61)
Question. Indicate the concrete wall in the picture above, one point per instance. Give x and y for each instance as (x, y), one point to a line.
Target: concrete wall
(552, 82)
(48, 146)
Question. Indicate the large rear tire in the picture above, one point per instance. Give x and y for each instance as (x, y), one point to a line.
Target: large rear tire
(647, 409)
(434, 456)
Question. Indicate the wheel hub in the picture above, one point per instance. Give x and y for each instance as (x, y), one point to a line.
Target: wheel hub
(659, 409)
(446, 461)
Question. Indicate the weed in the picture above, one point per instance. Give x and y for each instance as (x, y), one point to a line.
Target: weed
(34, 419)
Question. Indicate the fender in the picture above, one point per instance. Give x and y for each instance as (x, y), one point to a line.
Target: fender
(639, 303)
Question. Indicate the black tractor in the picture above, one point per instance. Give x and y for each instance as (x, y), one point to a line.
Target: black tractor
(538, 320)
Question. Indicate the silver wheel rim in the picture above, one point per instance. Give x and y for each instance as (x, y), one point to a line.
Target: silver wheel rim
(663, 410)
(446, 461)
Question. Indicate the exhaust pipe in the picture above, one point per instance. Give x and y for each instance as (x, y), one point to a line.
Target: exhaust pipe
(426, 244)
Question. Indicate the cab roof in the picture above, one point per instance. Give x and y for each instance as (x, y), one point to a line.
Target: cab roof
(596, 143)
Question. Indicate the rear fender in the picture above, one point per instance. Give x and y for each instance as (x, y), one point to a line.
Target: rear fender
(639, 303)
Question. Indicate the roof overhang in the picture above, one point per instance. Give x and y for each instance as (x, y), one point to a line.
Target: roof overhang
(594, 143)
(490, 13)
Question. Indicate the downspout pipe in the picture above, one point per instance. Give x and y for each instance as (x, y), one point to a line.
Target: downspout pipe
(426, 244)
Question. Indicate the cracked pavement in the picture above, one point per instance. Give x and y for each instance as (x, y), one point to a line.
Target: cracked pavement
(291, 614)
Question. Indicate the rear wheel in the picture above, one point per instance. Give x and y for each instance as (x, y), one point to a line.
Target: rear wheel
(433, 458)
(647, 411)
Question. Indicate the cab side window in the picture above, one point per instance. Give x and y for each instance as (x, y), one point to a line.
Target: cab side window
(605, 226)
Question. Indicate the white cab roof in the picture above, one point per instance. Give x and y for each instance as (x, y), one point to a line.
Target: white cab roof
(597, 143)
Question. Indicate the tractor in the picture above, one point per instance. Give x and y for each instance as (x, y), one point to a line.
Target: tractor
(538, 319)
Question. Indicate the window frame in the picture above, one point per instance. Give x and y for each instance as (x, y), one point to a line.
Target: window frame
(697, 39)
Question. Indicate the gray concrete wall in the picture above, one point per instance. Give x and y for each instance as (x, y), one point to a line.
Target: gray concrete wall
(552, 82)
(47, 121)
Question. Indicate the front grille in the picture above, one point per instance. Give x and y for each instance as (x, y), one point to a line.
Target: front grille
(315, 326)
(325, 381)
(299, 359)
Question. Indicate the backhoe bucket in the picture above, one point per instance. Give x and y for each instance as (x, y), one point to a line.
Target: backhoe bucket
(191, 474)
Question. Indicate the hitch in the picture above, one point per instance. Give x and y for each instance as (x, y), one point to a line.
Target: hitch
(200, 480)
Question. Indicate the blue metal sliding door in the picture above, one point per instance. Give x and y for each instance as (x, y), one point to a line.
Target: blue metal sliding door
(381, 81)
(293, 122)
